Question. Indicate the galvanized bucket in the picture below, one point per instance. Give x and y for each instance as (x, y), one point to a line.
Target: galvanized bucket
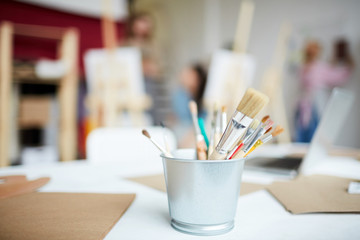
(202, 194)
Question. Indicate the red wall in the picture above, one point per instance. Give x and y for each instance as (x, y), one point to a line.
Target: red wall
(33, 48)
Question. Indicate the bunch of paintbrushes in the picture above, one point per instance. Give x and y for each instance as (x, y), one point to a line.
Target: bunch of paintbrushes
(248, 141)
(233, 139)
(265, 139)
(237, 128)
(243, 133)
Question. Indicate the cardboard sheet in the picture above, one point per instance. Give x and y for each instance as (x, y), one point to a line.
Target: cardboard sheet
(247, 188)
(18, 184)
(315, 194)
(158, 182)
(154, 181)
(76, 216)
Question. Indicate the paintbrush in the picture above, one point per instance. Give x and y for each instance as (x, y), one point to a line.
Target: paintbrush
(234, 153)
(165, 137)
(223, 123)
(212, 132)
(218, 132)
(259, 126)
(278, 130)
(203, 131)
(257, 134)
(267, 131)
(249, 131)
(251, 104)
(264, 127)
(200, 141)
(166, 153)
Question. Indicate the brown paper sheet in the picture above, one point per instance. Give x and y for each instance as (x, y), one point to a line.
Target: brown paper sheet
(154, 181)
(247, 188)
(316, 194)
(57, 216)
(158, 182)
(18, 184)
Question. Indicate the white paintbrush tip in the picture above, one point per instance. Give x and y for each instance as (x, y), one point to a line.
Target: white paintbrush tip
(254, 124)
(193, 107)
(252, 102)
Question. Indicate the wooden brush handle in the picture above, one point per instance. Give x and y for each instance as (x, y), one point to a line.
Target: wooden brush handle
(201, 150)
(239, 155)
(216, 156)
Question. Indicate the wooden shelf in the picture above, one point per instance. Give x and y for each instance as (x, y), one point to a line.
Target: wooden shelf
(24, 72)
(67, 51)
(37, 81)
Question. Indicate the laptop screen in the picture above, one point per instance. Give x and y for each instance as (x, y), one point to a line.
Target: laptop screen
(332, 121)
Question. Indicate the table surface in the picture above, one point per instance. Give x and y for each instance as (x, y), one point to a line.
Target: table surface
(259, 215)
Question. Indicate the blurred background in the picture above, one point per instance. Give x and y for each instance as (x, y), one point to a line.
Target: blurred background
(69, 67)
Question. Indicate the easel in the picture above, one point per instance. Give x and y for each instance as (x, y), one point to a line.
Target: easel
(67, 89)
(112, 92)
(243, 27)
(272, 85)
(234, 84)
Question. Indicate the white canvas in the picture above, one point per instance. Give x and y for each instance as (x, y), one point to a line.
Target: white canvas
(229, 75)
(128, 65)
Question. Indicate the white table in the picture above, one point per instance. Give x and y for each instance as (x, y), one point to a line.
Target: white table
(259, 215)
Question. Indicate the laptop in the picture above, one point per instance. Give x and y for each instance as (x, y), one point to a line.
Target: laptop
(331, 122)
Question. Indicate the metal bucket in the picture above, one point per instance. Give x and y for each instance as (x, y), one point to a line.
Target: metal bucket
(202, 194)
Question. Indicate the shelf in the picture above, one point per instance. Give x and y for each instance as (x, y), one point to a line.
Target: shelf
(37, 81)
(22, 73)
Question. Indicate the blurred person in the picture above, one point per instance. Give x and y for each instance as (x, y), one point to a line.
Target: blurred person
(140, 34)
(314, 76)
(191, 87)
(341, 54)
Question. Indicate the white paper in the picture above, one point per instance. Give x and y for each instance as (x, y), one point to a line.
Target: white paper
(354, 188)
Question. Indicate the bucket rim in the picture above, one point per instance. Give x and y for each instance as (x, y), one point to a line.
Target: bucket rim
(162, 155)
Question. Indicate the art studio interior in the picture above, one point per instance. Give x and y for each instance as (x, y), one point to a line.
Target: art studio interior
(174, 119)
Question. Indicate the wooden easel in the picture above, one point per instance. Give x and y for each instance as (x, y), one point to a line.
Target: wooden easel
(272, 84)
(243, 26)
(113, 93)
(229, 70)
(6, 45)
(236, 84)
(67, 89)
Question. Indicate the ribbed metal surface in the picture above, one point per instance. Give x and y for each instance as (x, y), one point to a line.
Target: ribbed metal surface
(202, 195)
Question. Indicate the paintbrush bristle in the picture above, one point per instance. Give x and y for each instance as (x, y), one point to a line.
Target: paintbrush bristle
(254, 124)
(277, 131)
(268, 124)
(223, 109)
(193, 107)
(268, 130)
(252, 102)
(146, 133)
(264, 119)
